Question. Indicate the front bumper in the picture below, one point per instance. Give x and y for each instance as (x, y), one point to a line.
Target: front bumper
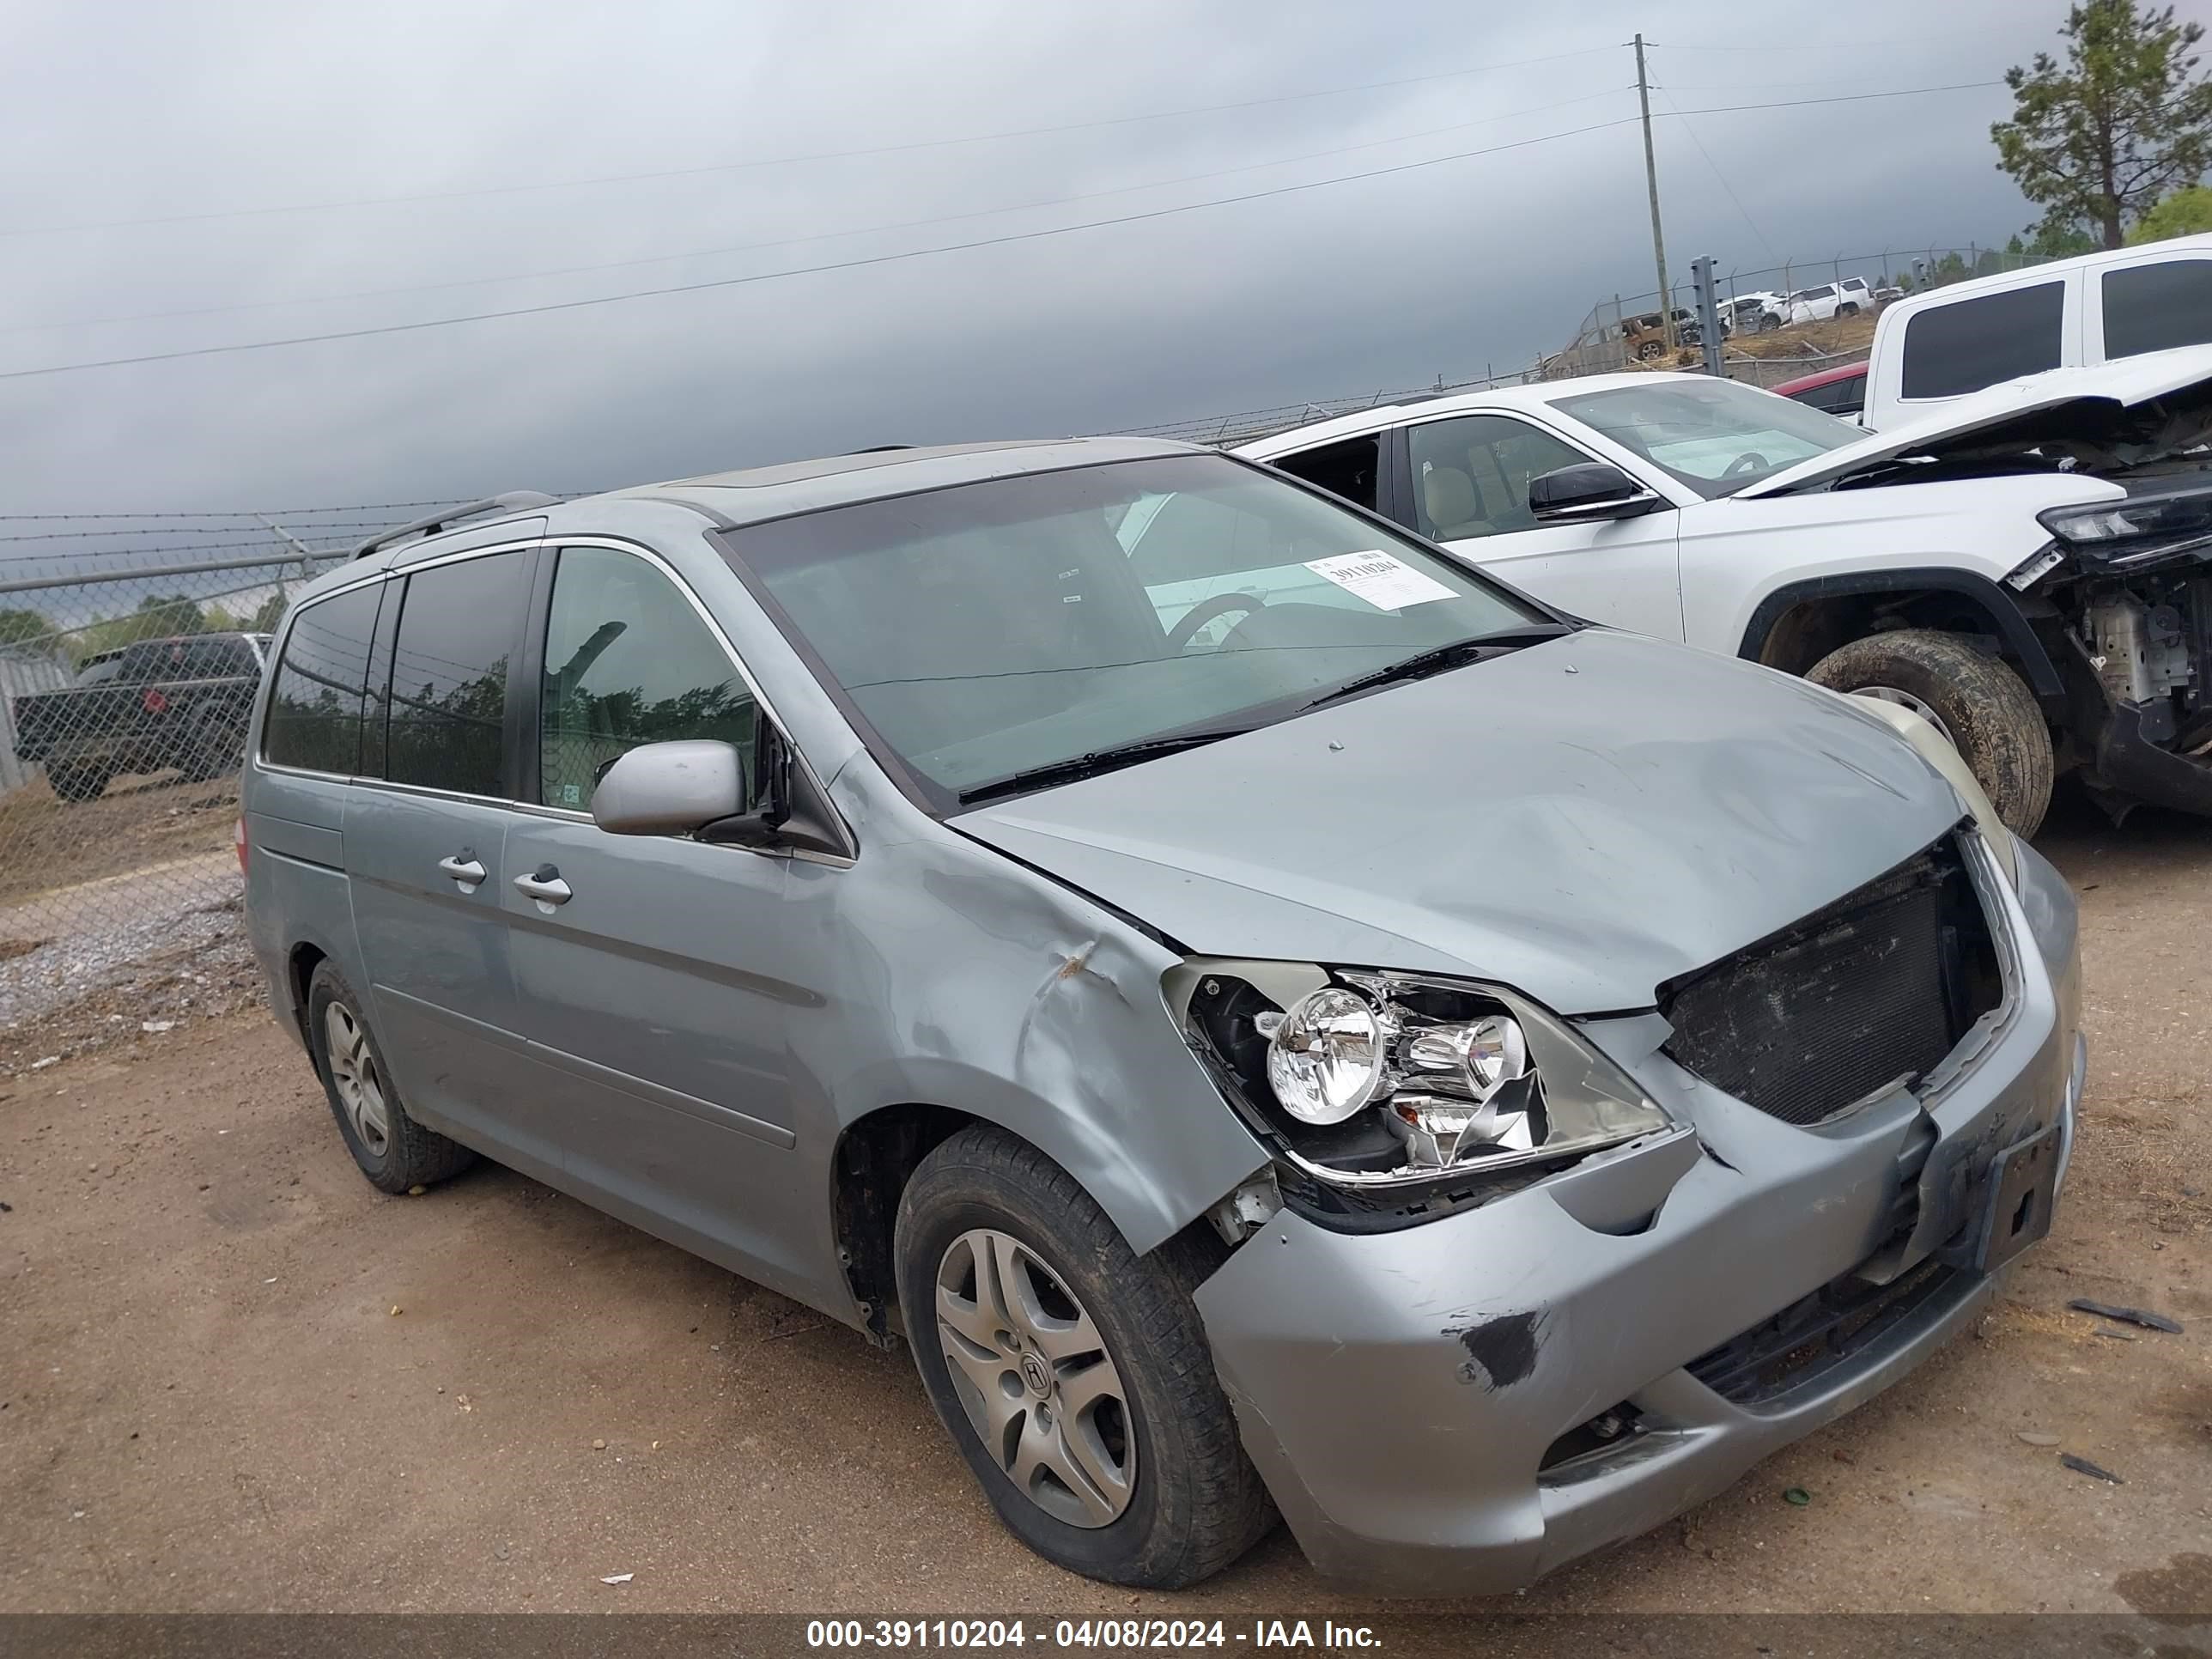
(2131, 764)
(1413, 1398)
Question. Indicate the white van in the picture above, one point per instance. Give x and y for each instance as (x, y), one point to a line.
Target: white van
(1935, 347)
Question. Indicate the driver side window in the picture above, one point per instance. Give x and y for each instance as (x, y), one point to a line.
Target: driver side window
(628, 661)
(1471, 475)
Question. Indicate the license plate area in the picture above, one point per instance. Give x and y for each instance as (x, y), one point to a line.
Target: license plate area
(2011, 1205)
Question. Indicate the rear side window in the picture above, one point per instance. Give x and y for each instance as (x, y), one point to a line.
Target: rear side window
(460, 626)
(1846, 397)
(2156, 306)
(1952, 349)
(628, 661)
(314, 705)
(221, 657)
(1347, 469)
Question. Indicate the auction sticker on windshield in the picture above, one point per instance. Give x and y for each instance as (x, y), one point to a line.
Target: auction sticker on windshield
(1386, 583)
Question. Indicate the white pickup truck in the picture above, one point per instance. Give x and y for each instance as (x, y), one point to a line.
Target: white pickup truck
(2032, 569)
(1939, 346)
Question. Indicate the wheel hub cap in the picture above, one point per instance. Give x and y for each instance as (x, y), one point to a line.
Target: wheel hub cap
(1033, 1375)
(354, 1076)
(1906, 700)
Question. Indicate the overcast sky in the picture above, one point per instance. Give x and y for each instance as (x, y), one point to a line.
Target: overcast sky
(222, 116)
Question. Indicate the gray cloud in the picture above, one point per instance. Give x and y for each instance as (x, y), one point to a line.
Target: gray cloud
(132, 112)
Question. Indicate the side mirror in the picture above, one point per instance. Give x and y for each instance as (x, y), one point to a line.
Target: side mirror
(670, 788)
(1589, 489)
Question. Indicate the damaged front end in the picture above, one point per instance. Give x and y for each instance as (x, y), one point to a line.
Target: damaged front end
(1389, 1098)
(2127, 587)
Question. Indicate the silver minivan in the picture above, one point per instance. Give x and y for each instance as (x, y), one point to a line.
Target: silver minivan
(1276, 1021)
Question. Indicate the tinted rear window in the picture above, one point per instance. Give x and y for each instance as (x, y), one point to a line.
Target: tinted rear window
(314, 705)
(459, 628)
(224, 657)
(2157, 307)
(1952, 349)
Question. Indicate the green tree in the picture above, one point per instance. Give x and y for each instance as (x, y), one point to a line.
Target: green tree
(2050, 242)
(19, 626)
(271, 613)
(2185, 213)
(173, 613)
(2095, 141)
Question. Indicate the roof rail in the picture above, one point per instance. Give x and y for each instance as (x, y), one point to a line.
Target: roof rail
(513, 501)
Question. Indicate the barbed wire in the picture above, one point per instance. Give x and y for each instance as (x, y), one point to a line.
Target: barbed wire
(240, 512)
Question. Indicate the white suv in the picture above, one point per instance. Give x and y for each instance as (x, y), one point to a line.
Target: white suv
(1817, 305)
(1937, 347)
(2044, 619)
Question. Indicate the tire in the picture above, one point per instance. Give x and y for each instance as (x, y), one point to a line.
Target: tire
(218, 745)
(405, 1154)
(77, 783)
(1984, 707)
(1192, 1503)
(1847, 310)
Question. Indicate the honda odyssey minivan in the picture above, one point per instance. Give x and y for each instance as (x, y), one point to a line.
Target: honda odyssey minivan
(1278, 1023)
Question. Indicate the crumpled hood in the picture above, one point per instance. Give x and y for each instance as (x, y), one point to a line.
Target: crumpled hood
(2097, 408)
(1580, 820)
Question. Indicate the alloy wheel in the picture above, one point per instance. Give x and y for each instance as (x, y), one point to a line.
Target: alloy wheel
(1033, 1374)
(1906, 700)
(355, 1075)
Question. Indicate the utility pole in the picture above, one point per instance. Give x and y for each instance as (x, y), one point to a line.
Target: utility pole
(1651, 184)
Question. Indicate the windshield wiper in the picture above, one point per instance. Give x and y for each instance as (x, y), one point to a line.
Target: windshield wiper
(1422, 664)
(1097, 761)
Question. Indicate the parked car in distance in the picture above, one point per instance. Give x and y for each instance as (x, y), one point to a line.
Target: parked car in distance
(1646, 334)
(1818, 304)
(1757, 313)
(1883, 296)
(1839, 391)
(850, 872)
(2031, 567)
(182, 702)
(1947, 343)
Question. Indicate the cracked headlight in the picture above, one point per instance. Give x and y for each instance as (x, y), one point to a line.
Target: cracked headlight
(1369, 1079)
(2139, 530)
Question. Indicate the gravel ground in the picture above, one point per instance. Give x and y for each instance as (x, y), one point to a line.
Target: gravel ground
(237, 1378)
(152, 962)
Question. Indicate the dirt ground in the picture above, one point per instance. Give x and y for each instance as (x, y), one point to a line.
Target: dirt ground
(46, 842)
(235, 1377)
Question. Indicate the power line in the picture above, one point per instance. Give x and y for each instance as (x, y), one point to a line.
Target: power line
(820, 236)
(1848, 98)
(801, 271)
(784, 160)
(1727, 187)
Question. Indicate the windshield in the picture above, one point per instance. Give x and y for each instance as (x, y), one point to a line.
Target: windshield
(996, 628)
(1714, 435)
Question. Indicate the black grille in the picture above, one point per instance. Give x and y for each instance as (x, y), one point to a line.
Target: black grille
(1875, 989)
(1831, 1327)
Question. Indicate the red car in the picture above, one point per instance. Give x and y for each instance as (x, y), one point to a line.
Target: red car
(1841, 392)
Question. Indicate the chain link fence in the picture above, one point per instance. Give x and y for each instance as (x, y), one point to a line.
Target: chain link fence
(129, 655)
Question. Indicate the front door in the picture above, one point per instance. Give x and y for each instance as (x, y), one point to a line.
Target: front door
(651, 969)
(1470, 478)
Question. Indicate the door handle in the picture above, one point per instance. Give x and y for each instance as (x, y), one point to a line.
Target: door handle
(546, 886)
(463, 868)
